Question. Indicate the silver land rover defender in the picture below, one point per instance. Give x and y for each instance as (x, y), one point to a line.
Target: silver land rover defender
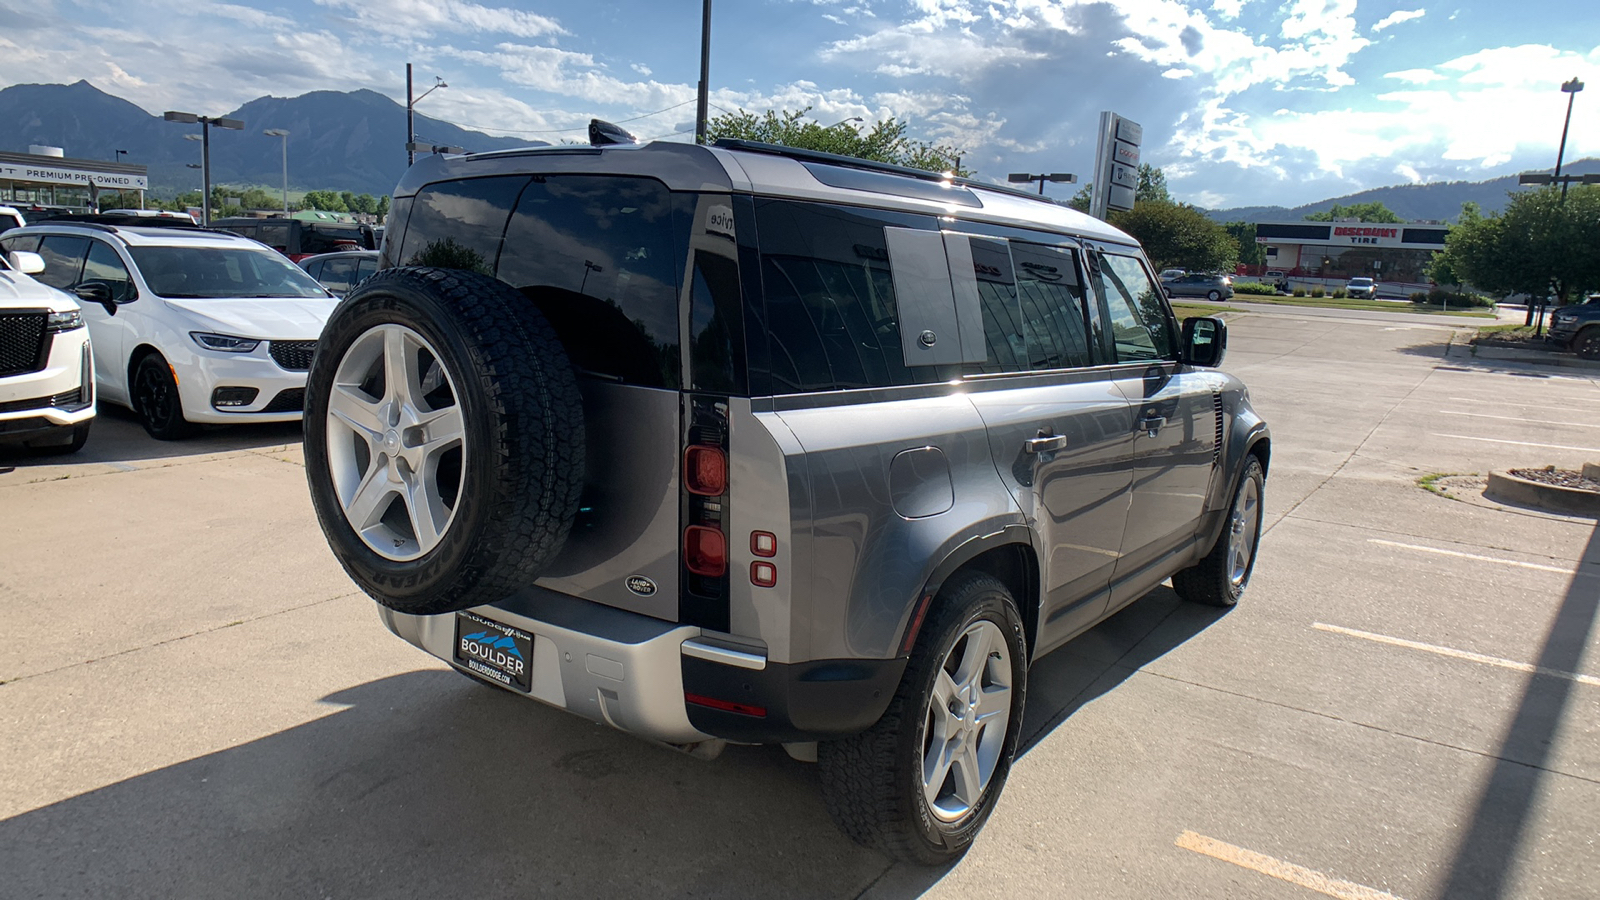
(748, 444)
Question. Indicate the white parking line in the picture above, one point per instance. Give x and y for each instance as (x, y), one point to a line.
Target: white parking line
(1451, 412)
(1517, 403)
(1459, 654)
(1468, 437)
(1277, 868)
(1459, 555)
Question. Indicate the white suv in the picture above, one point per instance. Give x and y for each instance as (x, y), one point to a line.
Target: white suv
(189, 325)
(46, 368)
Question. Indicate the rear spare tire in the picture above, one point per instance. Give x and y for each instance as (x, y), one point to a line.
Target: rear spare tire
(443, 439)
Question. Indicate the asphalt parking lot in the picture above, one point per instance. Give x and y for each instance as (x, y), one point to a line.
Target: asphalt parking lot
(195, 701)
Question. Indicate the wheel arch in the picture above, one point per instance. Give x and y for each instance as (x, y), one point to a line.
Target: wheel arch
(1008, 555)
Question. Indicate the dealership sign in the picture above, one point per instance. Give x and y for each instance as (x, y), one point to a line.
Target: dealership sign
(53, 175)
(1366, 234)
(1116, 167)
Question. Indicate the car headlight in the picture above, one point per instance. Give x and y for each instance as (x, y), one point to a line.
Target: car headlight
(63, 321)
(224, 342)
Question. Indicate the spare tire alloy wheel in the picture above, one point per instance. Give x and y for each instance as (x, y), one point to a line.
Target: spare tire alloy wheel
(396, 445)
(444, 439)
(920, 783)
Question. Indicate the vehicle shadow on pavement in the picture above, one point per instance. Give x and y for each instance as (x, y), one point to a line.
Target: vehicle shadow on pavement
(1459, 358)
(1485, 860)
(117, 437)
(427, 785)
(1094, 663)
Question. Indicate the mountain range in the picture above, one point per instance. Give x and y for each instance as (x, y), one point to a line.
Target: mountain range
(354, 141)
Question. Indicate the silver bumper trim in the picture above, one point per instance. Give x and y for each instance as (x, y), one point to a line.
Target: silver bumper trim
(702, 650)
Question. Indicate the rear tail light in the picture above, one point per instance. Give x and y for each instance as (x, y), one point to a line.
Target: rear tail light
(763, 574)
(764, 544)
(744, 709)
(705, 471)
(705, 551)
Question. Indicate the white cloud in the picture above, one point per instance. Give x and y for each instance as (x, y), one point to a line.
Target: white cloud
(1416, 76)
(419, 18)
(641, 69)
(1396, 17)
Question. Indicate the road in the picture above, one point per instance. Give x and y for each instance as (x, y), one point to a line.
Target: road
(195, 701)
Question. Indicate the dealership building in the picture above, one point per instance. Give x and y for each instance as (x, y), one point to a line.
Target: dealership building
(47, 177)
(1342, 250)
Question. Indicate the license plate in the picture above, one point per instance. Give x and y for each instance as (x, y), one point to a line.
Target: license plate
(498, 652)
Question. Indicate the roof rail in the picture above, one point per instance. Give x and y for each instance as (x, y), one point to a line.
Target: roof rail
(856, 162)
(113, 219)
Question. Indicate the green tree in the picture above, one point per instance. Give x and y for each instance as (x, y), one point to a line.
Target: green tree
(1250, 252)
(1080, 200)
(886, 141)
(1539, 245)
(1179, 235)
(1364, 212)
(331, 201)
(1152, 186)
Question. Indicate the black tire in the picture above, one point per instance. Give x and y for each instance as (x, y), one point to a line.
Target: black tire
(522, 428)
(1211, 581)
(1213, 296)
(1587, 343)
(871, 782)
(156, 400)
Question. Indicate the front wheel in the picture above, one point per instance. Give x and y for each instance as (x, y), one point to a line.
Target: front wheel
(155, 399)
(1221, 577)
(1213, 296)
(919, 784)
(1587, 343)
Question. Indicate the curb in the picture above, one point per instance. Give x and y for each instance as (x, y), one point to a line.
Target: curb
(1537, 357)
(1591, 471)
(1508, 488)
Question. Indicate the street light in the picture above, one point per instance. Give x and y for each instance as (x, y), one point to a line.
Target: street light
(205, 151)
(1571, 89)
(842, 121)
(411, 102)
(1026, 178)
(283, 133)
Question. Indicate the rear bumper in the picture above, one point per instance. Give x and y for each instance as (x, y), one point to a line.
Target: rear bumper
(634, 673)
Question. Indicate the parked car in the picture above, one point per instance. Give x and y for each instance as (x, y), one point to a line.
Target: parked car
(298, 239)
(339, 272)
(1170, 274)
(1577, 327)
(1361, 287)
(1211, 287)
(11, 217)
(746, 443)
(46, 366)
(189, 325)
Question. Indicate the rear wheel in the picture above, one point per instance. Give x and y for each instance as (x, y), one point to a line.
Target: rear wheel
(155, 399)
(1221, 577)
(1587, 343)
(919, 784)
(1213, 296)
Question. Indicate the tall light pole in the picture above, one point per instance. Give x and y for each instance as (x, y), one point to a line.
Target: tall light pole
(1027, 178)
(205, 151)
(1571, 89)
(702, 106)
(283, 133)
(411, 102)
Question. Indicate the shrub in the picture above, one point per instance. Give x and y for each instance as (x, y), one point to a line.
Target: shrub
(1299, 292)
(1419, 297)
(1253, 287)
(1339, 293)
(1317, 291)
(1459, 299)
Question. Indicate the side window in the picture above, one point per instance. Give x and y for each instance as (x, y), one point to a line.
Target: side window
(63, 259)
(598, 255)
(338, 273)
(365, 268)
(1135, 310)
(274, 235)
(831, 317)
(28, 243)
(1033, 307)
(105, 266)
(456, 224)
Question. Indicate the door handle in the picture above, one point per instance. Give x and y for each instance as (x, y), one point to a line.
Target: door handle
(1152, 424)
(1045, 443)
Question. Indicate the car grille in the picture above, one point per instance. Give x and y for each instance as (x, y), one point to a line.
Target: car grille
(291, 400)
(293, 355)
(24, 345)
(70, 400)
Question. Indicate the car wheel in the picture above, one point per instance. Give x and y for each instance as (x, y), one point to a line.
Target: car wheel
(156, 400)
(1213, 296)
(1587, 343)
(1221, 577)
(919, 784)
(444, 439)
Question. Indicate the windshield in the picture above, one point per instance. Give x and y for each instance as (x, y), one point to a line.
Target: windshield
(192, 273)
(1361, 281)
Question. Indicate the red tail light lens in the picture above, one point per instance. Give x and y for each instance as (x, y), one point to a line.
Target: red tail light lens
(763, 574)
(743, 709)
(705, 471)
(705, 551)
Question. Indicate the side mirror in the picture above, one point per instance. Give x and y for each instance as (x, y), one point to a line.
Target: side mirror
(1205, 341)
(97, 292)
(25, 262)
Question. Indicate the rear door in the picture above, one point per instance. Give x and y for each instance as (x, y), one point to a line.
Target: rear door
(1059, 430)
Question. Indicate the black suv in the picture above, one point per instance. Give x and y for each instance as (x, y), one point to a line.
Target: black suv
(1577, 328)
(748, 444)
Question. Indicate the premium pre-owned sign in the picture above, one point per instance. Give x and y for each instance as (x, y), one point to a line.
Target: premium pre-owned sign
(54, 175)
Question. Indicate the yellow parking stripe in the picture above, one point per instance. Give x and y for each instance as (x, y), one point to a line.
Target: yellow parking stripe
(1277, 868)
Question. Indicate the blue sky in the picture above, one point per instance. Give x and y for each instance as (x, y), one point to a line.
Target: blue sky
(1243, 102)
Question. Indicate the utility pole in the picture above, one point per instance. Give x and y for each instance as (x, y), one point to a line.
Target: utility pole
(411, 128)
(702, 109)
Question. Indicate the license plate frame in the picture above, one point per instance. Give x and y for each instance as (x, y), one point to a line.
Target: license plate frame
(494, 650)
